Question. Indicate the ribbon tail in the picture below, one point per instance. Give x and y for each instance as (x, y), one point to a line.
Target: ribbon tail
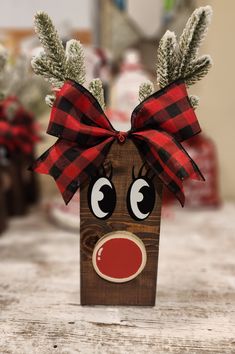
(71, 165)
(168, 159)
(197, 175)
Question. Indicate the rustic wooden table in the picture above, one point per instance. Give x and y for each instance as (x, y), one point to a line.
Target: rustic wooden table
(194, 312)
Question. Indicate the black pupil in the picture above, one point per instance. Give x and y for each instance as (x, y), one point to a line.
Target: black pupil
(147, 204)
(107, 204)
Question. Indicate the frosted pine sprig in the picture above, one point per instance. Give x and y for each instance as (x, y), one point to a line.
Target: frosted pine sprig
(179, 60)
(50, 40)
(194, 100)
(50, 99)
(145, 90)
(166, 59)
(192, 37)
(198, 69)
(96, 88)
(55, 63)
(44, 66)
(75, 65)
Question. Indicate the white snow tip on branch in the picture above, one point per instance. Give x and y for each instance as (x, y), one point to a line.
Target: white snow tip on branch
(207, 10)
(40, 13)
(169, 34)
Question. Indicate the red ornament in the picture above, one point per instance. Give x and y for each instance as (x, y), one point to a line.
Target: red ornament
(119, 256)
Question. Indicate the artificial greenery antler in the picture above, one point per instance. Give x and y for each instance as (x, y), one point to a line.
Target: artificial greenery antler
(192, 37)
(96, 89)
(57, 64)
(179, 60)
(166, 59)
(75, 65)
(145, 90)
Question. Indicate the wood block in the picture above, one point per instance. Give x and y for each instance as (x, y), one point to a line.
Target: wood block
(142, 289)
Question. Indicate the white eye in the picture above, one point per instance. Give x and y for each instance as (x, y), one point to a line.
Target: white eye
(102, 197)
(141, 198)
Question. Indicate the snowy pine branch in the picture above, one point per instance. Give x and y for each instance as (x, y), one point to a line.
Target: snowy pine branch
(96, 88)
(75, 65)
(194, 100)
(44, 66)
(145, 90)
(197, 69)
(179, 60)
(55, 63)
(166, 59)
(192, 37)
(50, 41)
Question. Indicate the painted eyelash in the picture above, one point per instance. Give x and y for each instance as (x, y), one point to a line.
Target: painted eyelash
(102, 172)
(148, 174)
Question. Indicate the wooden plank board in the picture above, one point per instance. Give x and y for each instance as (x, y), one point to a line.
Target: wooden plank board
(142, 289)
(40, 310)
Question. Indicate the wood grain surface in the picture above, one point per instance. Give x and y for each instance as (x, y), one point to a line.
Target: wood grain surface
(40, 310)
(142, 289)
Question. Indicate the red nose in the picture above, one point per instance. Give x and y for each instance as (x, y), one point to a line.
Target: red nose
(119, 256)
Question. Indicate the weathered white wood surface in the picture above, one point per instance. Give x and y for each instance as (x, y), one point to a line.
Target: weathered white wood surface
(194, 313)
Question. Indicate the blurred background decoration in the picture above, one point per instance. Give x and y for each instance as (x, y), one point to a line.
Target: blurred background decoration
(121, 39)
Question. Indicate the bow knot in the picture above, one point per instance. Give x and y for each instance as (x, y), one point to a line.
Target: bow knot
(158, 126)
(121, 137)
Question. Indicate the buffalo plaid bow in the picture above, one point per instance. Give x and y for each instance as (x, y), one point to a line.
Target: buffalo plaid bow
(158, 125)
(6, 140)
(17, 128)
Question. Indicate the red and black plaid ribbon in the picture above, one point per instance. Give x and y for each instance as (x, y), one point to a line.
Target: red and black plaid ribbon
(6, 137)
(85, 135)
(18, 127)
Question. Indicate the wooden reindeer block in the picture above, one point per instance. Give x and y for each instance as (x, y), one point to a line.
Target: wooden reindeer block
(141, 290)
(121, 174)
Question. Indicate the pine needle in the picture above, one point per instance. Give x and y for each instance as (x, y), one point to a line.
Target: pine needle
(43, 66)
(192, 37)
(54, 63)
(145, 90)
(96, 88)
(50, 99)
(194, 100)
(198, 69)
(50, 40)
(179, 60)
(166, 59)
(75, 65)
